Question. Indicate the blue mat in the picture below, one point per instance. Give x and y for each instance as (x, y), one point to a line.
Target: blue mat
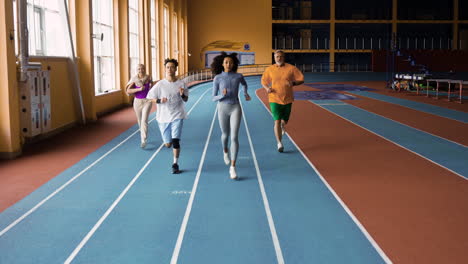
(327, 92)
(321, 95)
(340, 87)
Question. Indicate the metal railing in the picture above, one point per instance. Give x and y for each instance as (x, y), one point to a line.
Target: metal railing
(426, 43)
(197, 76)
(207, 75)
(258, 69)
(295, 43)
(337, 67)
(363, 43)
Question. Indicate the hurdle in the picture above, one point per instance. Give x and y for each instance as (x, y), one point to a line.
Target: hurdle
(449, 82)
(460, 85)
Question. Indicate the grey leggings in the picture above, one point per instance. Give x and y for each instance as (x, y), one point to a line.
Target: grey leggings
(229, 116)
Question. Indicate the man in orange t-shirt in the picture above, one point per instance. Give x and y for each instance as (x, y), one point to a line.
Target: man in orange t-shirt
(279, 80)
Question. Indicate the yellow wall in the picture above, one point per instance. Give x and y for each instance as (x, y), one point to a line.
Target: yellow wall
(121, 51)
(62, 105)
(9, 101)
(240, 21)
(64, 111)
(109, 101)
(82, 11)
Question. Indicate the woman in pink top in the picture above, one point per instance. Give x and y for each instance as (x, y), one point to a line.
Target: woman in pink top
(139, 85)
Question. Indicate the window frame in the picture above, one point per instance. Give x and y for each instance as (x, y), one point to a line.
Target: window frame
(153, 42)
(166, 36)
(133, 37)
(99, 58)
(175, 29)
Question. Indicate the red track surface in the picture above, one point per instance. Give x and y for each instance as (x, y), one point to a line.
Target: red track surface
(46, 159)
(415, 210)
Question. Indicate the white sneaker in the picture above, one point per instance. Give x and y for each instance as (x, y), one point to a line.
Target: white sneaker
(143, 144)
(233, 173)
(226, 158)
(280, 147)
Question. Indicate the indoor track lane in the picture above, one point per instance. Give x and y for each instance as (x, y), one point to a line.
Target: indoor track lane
(413, 208)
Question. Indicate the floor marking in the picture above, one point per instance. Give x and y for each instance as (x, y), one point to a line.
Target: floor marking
(393, 142)
(341, 202)
(271, 223)
(21, 218)
(119, 198)
(371, 112)
(183, 227)
(110, 209)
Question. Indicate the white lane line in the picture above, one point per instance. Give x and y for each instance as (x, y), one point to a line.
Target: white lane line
(329, 103)
(21, 218)
(341, 202)
(460, 144)
(110, 209)
(415, 109)
(63, 186)
(193, 107)
(393, 142)
(271, 223)
(116, 202)
(183, 227)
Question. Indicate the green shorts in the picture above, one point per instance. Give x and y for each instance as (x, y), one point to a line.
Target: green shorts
(280, 112)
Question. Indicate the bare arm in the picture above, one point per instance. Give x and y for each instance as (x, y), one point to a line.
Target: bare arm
(154, 95)
(182, 94)
(131, 89)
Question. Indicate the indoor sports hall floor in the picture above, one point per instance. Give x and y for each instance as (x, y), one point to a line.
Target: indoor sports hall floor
(367, 176)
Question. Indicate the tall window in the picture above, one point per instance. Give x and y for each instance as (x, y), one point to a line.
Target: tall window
(47, 33)
(176, 36)
(15, 19)
(133, 35)
(182, 45)
(166, 32)
(103, 42)
(154, 54)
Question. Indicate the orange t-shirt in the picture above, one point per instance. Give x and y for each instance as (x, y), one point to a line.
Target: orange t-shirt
(280, 78)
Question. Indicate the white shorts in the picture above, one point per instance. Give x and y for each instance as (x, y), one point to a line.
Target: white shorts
(171, 130)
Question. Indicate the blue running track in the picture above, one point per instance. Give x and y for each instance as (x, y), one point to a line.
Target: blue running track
(121, 204)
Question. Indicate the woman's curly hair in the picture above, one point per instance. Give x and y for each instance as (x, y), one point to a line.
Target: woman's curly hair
(217, 64)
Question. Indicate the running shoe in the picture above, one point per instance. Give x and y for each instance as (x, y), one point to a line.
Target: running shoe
(175, 168)
(233, 173)
(226, 158)
(280, 147)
